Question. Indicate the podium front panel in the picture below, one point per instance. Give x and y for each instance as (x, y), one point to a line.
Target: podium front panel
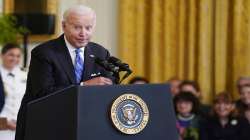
(94, 107)
(84, 113)
(53, 117)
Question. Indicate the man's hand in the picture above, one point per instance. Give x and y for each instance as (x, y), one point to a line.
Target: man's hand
(98, 81)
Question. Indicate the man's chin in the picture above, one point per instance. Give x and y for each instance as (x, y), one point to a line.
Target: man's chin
(80, 45)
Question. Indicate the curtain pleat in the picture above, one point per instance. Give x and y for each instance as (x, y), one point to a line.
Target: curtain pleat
(203, 40)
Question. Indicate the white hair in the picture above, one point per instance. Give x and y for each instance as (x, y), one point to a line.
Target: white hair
(81, 9)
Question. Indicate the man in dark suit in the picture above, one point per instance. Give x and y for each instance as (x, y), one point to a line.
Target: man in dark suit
(2, 98)
(64, 61)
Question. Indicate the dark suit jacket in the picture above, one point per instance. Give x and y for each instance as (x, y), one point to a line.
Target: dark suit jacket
(2, 96)
(51, 69)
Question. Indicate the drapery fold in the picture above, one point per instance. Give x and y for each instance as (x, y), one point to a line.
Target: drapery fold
(203, 40)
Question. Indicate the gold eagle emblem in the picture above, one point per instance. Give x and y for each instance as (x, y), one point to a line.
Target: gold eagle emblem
(129, 114)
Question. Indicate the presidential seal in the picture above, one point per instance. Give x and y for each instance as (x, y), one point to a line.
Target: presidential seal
(129, 114)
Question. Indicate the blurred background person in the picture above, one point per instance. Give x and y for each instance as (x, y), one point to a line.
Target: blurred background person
(190, 86)
(224, 124)
(14, 84)
(138, 80)
(242, 81)
(194, 88)
(243, 104)
(247, 114)
(174, 85)
(186, 107)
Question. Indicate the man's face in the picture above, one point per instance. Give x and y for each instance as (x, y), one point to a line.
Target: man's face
(11, 58)
(78, 29)
(242, 82)
(245, 95)
(174, 87)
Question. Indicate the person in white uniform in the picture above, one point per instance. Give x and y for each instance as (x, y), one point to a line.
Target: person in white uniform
(14, 84)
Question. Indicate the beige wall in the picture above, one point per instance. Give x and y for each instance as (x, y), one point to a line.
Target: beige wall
(106, 29)
(1, 6)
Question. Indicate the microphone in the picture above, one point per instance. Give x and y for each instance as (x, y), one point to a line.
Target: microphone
(122, 66)
(117, 62)
(105, 64)
(114, 66)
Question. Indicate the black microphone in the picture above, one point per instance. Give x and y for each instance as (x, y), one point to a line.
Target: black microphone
(118, 62)
(105, 64)
(113, 66)
(122, 66)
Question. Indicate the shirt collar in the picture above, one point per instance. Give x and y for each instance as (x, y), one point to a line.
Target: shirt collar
(70, 47)
(5, 71)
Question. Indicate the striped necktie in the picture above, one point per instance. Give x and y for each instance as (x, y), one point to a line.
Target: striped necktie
(79, 65)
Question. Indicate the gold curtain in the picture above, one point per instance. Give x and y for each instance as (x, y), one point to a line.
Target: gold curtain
(203, 40)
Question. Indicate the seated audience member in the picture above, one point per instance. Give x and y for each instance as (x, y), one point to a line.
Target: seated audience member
(186, 106)
(241, 82)
(194, 88)
(138, 80)
(190, 86)
(224, 123)
(174, 86)
(14, 84)
(243, 104)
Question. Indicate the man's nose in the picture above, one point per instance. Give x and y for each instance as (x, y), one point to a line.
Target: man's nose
(83, 32)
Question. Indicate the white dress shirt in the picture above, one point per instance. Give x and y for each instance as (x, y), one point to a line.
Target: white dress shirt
(14, 83)
(72, 51)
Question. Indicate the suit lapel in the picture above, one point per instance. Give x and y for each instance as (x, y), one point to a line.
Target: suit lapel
(88, 62)
(65, 60)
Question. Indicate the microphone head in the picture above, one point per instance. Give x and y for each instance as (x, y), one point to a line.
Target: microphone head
(113, 59)
(106, 65)
(117, 62)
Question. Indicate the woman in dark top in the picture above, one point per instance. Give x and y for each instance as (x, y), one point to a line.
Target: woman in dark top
(224, 124)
